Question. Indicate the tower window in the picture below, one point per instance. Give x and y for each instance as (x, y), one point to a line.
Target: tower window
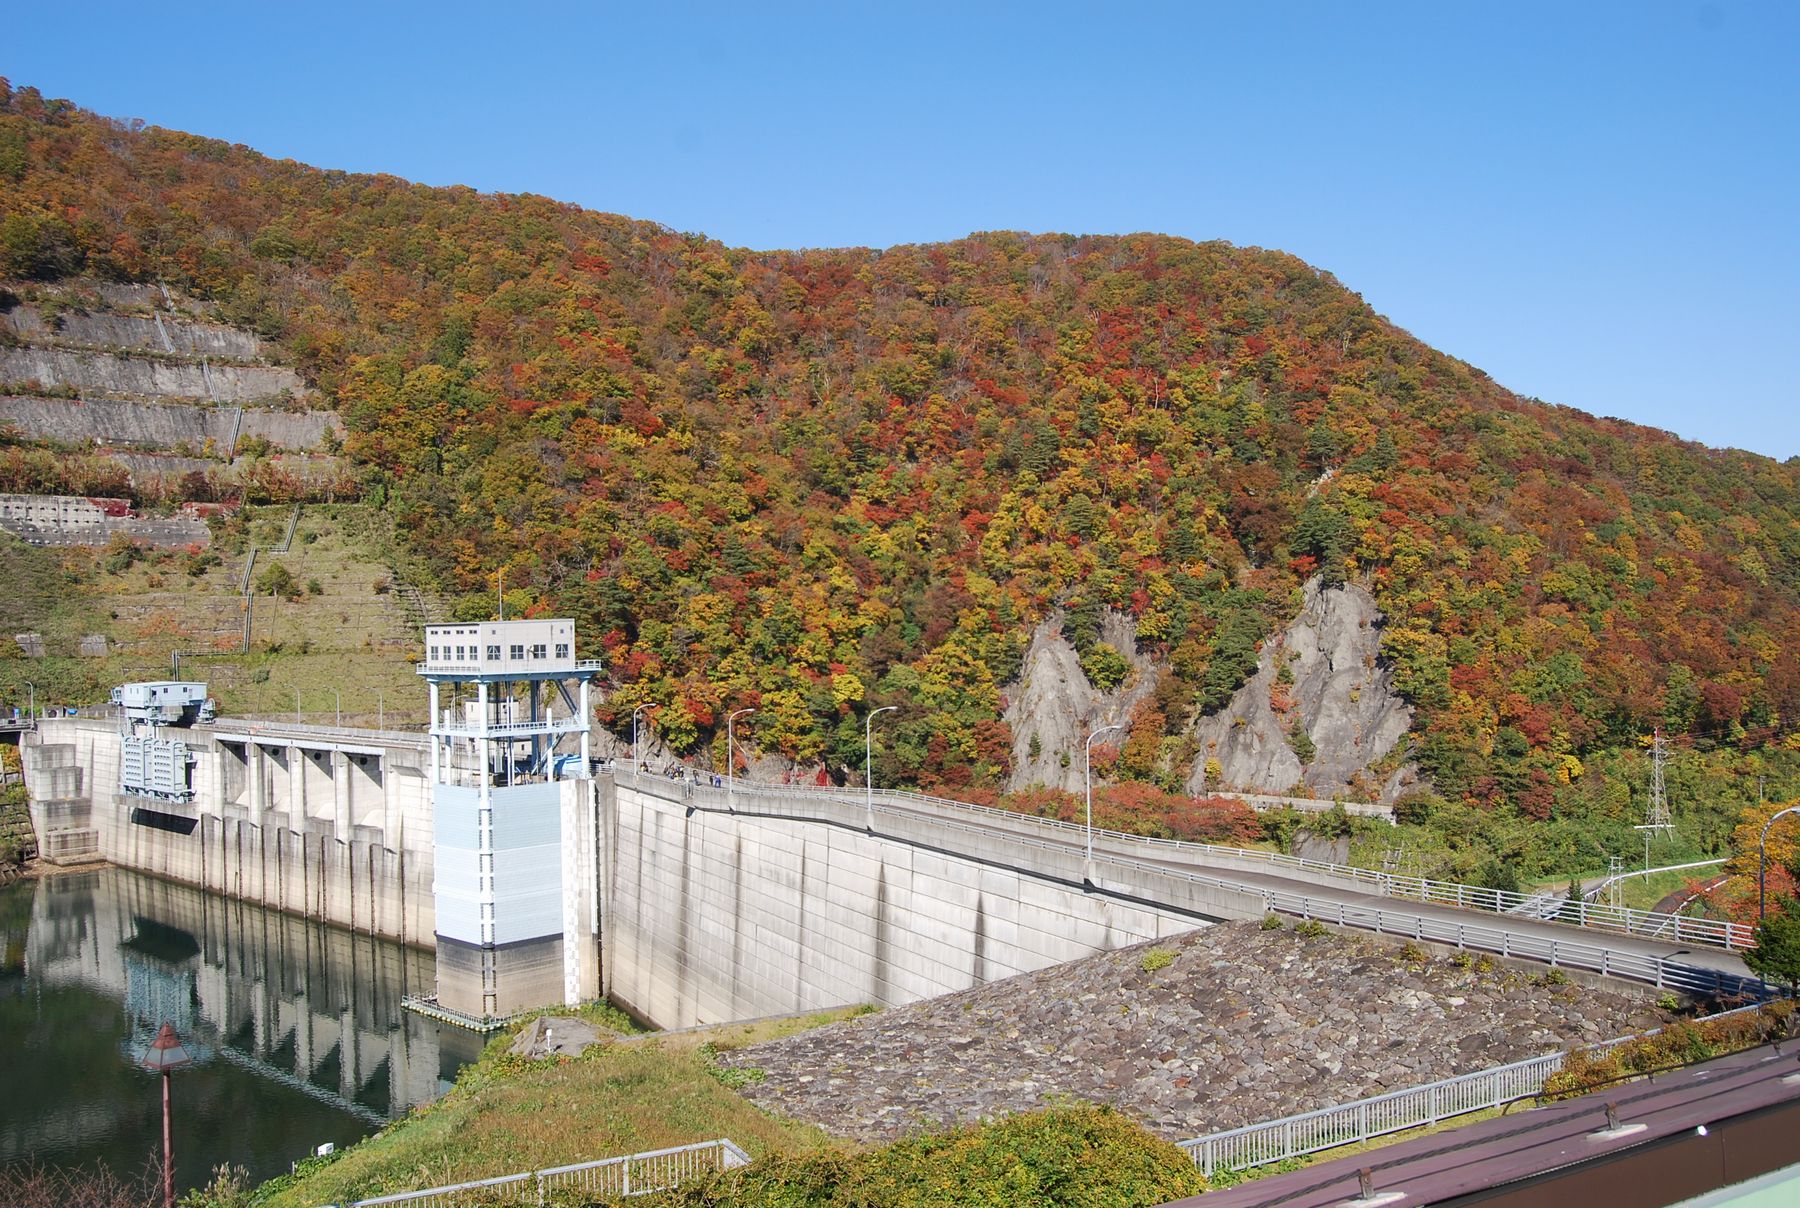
(562, 650)
(518, 652)
(539, 651)
(493, 653)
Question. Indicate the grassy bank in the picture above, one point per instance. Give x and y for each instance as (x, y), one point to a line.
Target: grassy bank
(507, 1115)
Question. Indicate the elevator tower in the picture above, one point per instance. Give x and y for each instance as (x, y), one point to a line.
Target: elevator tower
(512, 804)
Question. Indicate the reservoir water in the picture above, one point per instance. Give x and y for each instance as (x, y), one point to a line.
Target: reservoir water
(303, 1035)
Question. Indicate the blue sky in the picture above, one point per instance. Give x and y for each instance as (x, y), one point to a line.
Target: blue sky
(1599, 204)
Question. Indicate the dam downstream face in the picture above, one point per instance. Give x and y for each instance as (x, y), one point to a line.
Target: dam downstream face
(301, 1027)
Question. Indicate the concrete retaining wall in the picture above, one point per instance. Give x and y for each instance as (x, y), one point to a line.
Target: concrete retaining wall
(151, 333)
(148, 376)
(788, 905)
(162, 425)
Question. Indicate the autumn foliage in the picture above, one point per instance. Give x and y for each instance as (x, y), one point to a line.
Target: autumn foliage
(818, 482)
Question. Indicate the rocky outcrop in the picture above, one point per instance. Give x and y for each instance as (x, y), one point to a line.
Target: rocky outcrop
(1341, 696)
(1337, 691)
(1227, 1026)
(1052, 708)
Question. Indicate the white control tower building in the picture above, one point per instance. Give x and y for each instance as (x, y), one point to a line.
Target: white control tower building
(513, 804)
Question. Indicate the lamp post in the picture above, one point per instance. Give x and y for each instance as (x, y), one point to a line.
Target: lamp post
(296, 706)
(380, 710)
(731, 759)
(31, 705)
(339, 698)
(1762, 860)
(1087, 773)
(635, 762)
(164, 1056)
(869, 763)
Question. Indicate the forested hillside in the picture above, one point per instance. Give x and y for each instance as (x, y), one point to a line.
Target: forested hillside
(818, 482)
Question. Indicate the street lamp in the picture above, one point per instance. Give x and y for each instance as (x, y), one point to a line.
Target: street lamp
(164, 1056)
(869, 761)
(31, 705)
(730, 759)
(1762, 860)
(380, 710)
(339, 697)
(1087, 772)
(296, 706)
(635, 763)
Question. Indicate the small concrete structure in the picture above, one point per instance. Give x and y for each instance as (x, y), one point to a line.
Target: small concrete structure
(75, 520)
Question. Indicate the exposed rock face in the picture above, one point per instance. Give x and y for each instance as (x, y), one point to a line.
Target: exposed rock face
(1054, 702)
(1235, 1025)
(1342, 697)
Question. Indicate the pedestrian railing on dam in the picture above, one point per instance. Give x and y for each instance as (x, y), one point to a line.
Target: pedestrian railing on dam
(1382, 1115)
(1649, 924)
(1146, 880)
(631, 1174)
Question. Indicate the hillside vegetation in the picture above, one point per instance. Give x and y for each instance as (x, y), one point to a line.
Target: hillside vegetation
(819, 482)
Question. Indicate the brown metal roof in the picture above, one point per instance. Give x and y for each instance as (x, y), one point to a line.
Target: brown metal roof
(1526, 1145)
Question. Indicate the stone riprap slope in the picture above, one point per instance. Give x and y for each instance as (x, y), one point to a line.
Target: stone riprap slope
(1242, 1025)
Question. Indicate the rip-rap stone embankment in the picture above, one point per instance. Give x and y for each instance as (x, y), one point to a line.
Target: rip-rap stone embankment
(1241, 1025)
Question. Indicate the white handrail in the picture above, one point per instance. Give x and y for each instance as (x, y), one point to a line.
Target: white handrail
(628, 1174)
(1360, 1120)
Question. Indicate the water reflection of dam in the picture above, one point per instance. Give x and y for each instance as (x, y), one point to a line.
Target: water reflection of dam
(313, 1008)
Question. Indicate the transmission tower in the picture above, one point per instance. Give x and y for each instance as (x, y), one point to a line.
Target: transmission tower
(1656, 818)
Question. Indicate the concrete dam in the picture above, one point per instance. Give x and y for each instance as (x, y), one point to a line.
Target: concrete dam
(713, 903)
(538, 875)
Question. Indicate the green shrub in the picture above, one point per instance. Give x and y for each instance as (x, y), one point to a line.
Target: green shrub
(1312, 929)
(1304, 747)
(1157, 958)
(1105, 667)
(1082, 1157)
(1272, 922)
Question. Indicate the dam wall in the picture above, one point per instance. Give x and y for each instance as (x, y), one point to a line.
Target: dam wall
(332, 825)
(729, 904)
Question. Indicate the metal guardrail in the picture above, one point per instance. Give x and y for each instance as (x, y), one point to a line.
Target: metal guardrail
(631, 1174)
(1601, 888)
(1592, 916)
(1381, 1115)
(1661, 972)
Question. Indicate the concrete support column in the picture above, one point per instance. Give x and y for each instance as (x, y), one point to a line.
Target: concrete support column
(573, 898)
(254, 769)
(340, 795)
(435, 744)
(390, 803)
(587, 726)
(296, 787)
